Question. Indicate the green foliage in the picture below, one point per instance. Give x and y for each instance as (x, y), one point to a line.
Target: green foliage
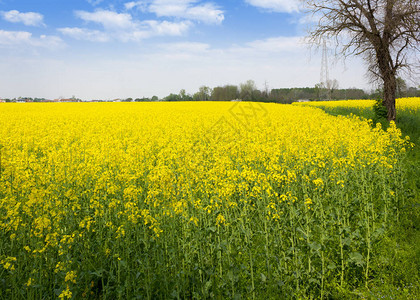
(225, 93)
(380, 111)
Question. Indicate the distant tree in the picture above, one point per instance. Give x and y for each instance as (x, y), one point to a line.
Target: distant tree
(385, 32)
(247, 90)
(258, 95)
(182, 95)
(172, 97)
(225, 93)
(401, 87)
(351, 93)
(331, 85)
(155, 98)
(265, 94)
(413, 92)
(318, 88)
(203, 94)
(280, 95)
(218, 94)
(144, 99)
(196, 96)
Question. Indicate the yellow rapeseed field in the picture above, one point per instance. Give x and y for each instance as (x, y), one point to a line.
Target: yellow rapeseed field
(191, 200)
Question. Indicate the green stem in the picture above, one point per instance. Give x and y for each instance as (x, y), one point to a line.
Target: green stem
(342, 261)
(252, 275)
(368, 250)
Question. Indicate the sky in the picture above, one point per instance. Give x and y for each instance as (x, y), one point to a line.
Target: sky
(107, 49)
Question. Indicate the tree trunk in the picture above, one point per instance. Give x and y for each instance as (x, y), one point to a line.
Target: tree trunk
(390, 87)
(388, 76)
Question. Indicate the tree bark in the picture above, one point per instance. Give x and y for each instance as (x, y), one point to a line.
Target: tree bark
(388, 75)
(389, 96)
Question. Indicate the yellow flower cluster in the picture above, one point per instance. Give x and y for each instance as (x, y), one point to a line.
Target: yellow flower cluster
(97, 160)
(8, 263)
(83, 178)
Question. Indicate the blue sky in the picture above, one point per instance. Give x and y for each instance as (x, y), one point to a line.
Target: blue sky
(107, 49)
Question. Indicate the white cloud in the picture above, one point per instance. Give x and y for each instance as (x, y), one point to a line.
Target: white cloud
(168, 28)
(24, 38)
(14, 37)
(277, 44)
(142, 5)
(148, 29)
(108, 19)
(48, 41)
(29, 18)
(207, 13)
(185, 9)
(130, 5)
(95, 2)
(136, 32)
(122, 27)
(85, 34)
(287, 6)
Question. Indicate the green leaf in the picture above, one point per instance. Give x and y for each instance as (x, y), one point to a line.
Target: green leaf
(315, 246)
(347, 241)
(357, 258)
(212, 229)
(263, 278)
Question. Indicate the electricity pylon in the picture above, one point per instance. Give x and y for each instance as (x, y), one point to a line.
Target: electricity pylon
(324, 79)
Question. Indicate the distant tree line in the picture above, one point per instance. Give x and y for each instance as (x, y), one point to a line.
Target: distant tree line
(26, 99)
(248, 91)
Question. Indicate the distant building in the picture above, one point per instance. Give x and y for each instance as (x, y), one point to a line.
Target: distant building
(2, 101)
(303, 100)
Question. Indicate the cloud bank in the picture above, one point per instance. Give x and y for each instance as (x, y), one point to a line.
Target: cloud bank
(28, 18)
(185, 9)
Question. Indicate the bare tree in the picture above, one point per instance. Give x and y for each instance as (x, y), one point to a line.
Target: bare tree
(247, 90)
(384, 32)
(332, 85)
(401, 87)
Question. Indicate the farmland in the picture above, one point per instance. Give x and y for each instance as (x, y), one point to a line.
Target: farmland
(198, 200)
